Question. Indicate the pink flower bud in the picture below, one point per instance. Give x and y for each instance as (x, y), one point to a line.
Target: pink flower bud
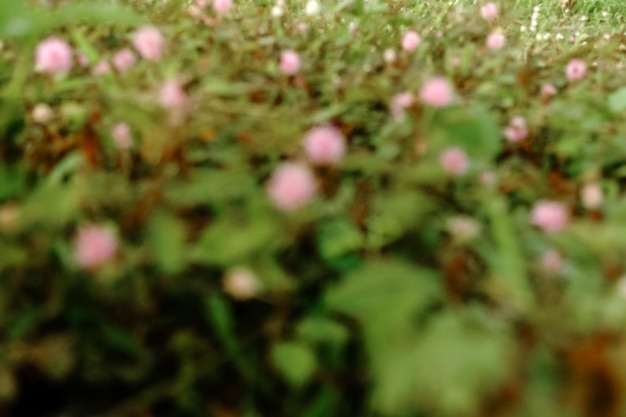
(496, 40)
(94, 246)
(222, 6)
(576, 70)
(53, 56)
(399, 103)
(172, 96)
(548, 90)
(124, 59)
(489, 11)
(289, 62)
(454, 161)
(291, 186)
(437, 92)
(516, 130)
(410, 41)
(122, 136)
(550, 216)
(591, 195)
(324, 145)
(42, 113)
(101, 68)
(149, 42)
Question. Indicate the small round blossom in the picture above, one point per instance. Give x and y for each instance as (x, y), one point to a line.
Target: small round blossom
(42, 113)
(289, 62)
(548, 90)
(291, 186)
(324, 145)
(172, 96)
(53, 56)
(463, 228)
(389, 55)
(241, 284)
(410, 41)
(550, 216)
(122, 136)
(82, 59)
(591, 195)
(149, 42)
(552, 261)
(454, 161)
(489, 11)
(94, 246)
(437, 92)
(496, 40)
(517, 130)
(124, 59)
(101, 68)
(222, 6)
(576, 70)
(399, 103)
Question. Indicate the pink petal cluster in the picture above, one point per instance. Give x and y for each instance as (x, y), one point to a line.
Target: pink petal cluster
(496, 40)
(548, 90)
(241, 284)
(122, 136)
(551, 216)
(102, 67)
(172, 96)
(53, 56)
(149, 42)
(222, 6)
(94, 246)
(124, 59)
(552, 261)
(576, 70)
(289, 62)
(291, 186)
(454, 161)
(517, 130)
(410, 41)
(489, 11)
(399, 103)
(324, 145)
(437, 92)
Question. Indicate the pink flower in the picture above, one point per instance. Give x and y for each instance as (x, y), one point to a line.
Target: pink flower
(94, 246)
(575, 70)
(172, 96)
(124, 59)
(82, 59)
(289, 62)
(241, 284)
(591, 195)
(101, 68)
(552, 261)
(516, 130)
(399, 103)
(42, 113)
(437, 92)
(53, 56)
(551, 216)
(487, 178)
(454, 161)
(222, 6)
(291, 186)
(496, 40)
(324, 145)
(122, 136)
(548, 90)
(489, 11)
(149, 42)
(410, 41)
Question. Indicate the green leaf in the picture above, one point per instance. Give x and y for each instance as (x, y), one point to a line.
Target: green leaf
(321, 330)
(166, 239)
(338, 237)
(475, 130)
(617, 101)
(295, 362)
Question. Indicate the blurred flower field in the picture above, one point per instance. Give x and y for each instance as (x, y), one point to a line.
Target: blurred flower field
(355, 208)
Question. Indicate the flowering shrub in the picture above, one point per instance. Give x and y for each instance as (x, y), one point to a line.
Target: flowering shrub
(367, 208)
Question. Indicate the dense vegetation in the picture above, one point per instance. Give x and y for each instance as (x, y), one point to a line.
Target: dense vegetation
(348, 208)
